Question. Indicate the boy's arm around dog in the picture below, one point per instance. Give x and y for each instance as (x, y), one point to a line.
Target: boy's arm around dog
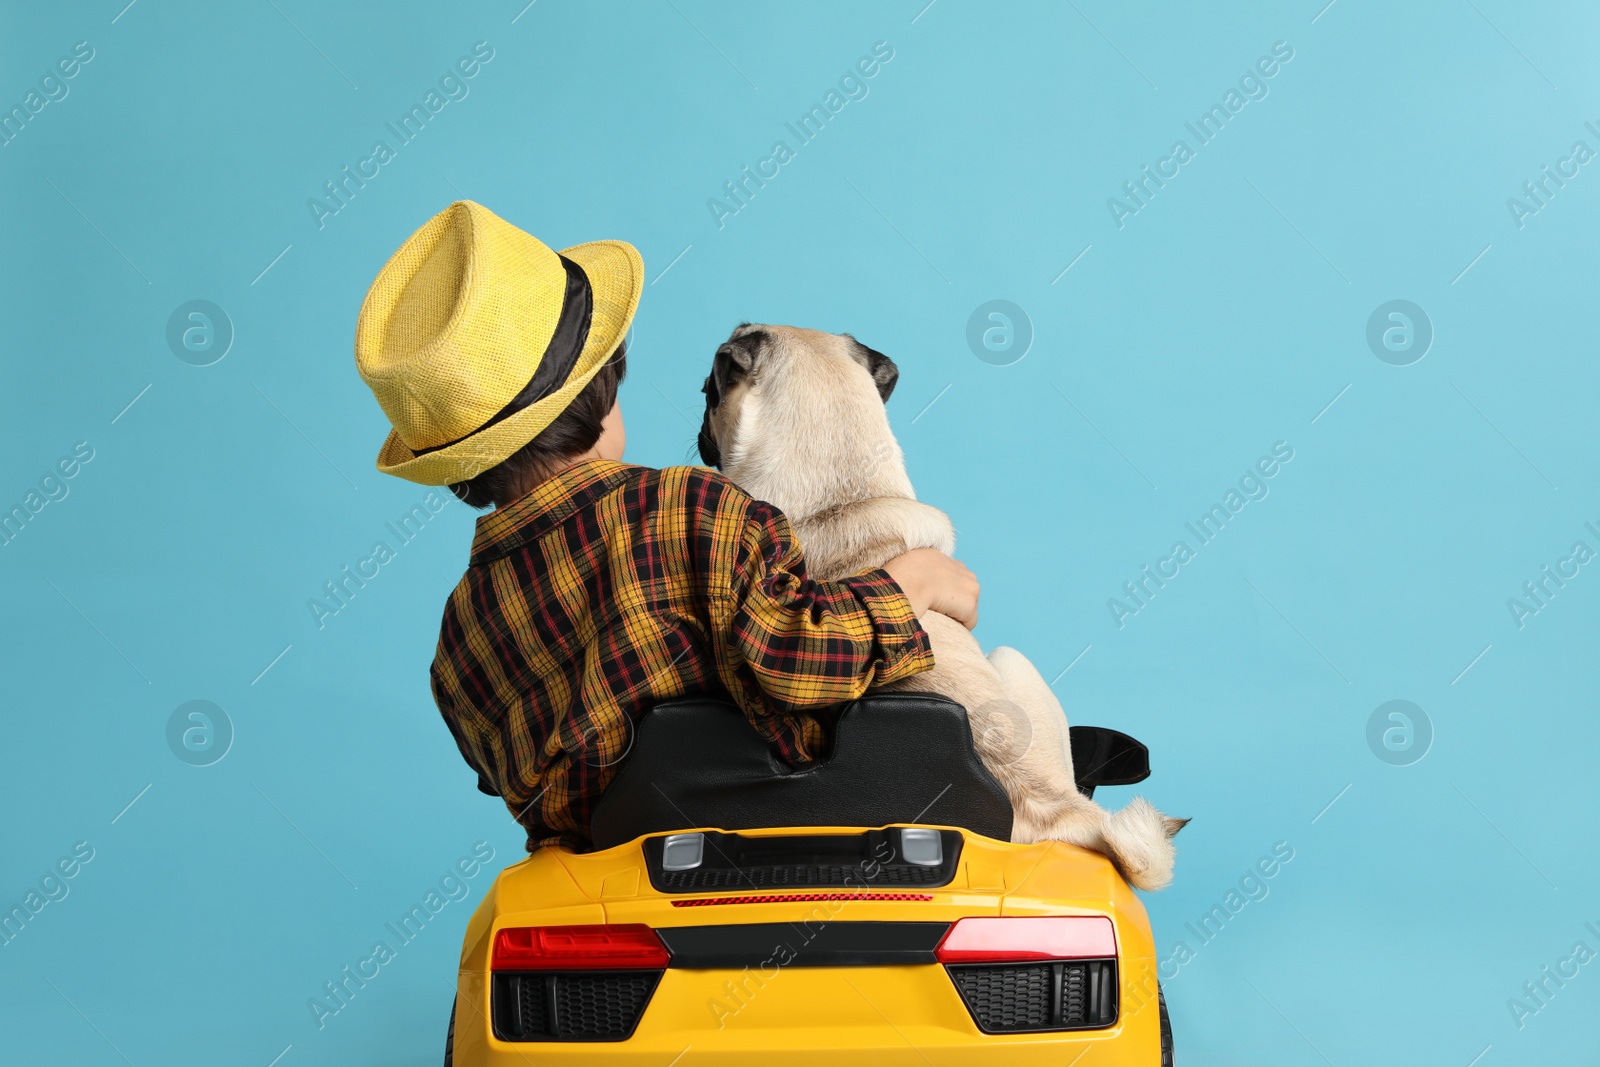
(806, 645)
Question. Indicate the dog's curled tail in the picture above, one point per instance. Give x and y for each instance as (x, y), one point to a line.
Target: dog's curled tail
(1138, 840)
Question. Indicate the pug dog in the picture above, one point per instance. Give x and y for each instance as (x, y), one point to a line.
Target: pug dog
(796, 417)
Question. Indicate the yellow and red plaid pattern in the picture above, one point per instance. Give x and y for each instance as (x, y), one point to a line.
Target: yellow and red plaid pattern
(611, 588)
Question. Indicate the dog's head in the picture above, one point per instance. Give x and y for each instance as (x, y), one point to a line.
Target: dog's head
(794, 416)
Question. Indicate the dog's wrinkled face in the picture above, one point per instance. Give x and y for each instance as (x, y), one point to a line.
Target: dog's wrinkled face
(751, 352)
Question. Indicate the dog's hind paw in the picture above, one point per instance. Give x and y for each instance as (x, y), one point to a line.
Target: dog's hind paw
(1139, 841)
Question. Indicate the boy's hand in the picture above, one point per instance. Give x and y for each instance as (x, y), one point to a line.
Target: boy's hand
(932, 581)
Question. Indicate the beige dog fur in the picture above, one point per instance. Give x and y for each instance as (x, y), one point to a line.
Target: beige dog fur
(846, 492)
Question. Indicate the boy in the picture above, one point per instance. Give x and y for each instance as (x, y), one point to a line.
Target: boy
(596, 589)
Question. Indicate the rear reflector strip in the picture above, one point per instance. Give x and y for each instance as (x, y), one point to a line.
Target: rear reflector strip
(1022, 938)
(796, 898)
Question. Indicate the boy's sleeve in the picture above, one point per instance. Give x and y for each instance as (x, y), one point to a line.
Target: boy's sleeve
(809, 644)
(442, 679)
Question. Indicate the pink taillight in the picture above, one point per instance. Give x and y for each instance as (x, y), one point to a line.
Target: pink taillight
(1051, 937)
(577, 948)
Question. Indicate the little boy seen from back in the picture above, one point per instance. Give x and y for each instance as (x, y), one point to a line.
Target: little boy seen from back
(597, 589)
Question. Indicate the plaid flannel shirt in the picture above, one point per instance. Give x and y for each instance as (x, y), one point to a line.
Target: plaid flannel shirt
(611, 588)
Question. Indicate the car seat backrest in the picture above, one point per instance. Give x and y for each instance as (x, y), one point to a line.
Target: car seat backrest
(897, 757)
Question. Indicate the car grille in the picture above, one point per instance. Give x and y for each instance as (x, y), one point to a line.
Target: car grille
(731, 862)
(571, 1006)
(1007, 998)
(810, 875)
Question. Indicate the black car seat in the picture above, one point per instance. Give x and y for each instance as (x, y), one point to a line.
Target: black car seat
(896, 758)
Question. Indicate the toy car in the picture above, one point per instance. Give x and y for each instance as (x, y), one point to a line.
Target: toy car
(867, 909)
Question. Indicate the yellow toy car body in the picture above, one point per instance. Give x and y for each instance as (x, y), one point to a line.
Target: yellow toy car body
(907, 942)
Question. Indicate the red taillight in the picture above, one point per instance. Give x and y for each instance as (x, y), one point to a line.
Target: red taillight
(577, 948)
(1050, 937)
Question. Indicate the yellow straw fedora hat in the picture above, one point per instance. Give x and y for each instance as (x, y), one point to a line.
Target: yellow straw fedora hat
(475, 336)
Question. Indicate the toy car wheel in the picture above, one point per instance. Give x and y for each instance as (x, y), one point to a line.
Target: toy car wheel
(450, 1038)
(1166, 1029)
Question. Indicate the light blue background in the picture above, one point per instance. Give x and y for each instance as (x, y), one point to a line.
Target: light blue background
(1223, 317)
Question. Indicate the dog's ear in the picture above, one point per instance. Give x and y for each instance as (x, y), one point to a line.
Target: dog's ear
(884, 373)
(734, 362)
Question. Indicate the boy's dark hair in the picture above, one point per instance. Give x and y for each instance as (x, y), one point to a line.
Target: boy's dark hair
(573, 433)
